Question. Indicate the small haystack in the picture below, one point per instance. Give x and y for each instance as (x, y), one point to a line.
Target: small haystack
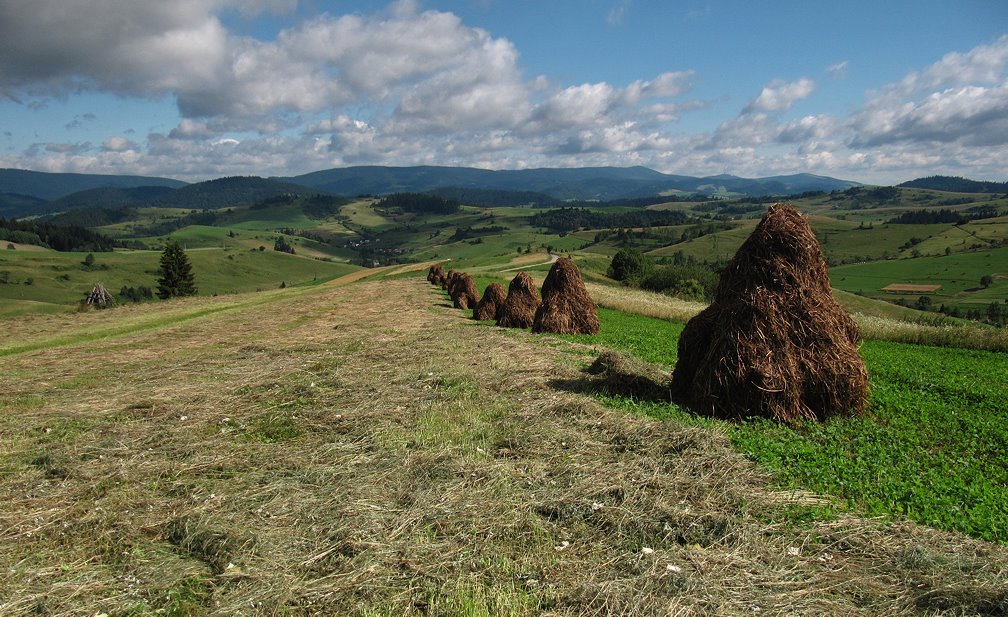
(99, 297)
(447, 281)
(436, 274)
(623, 375)
(490, 303)
(521, 303)
(774, 343)
(463, 291)
(566, 306)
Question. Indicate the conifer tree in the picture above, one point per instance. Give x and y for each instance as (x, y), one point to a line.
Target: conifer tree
(176, 273)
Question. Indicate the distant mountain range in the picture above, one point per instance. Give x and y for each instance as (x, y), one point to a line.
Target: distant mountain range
(210, 195)
(583, 183)
(24, 193)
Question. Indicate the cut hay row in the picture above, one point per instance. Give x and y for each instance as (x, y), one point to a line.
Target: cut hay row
(564, 306)
(774, 343)
(643, 302)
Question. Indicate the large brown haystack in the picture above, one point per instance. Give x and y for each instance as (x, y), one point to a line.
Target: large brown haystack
(463, 291)
(521, 303)
(490, 303)
(436, 274)
(774, 343)
(566, 306)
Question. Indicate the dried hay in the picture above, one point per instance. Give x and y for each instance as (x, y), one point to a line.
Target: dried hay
(521, 303)
(463, 291)
(447, 281)
(622, 375)
(489, 305)
(566, 306)
(436, 274)
(774, 343)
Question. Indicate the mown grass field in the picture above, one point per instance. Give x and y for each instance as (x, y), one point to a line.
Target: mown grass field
(362, 449)
(958, 274)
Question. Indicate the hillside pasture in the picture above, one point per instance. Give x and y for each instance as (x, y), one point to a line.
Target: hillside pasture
(958, 275)
(51, 281)
(362, 214)
(717, 246)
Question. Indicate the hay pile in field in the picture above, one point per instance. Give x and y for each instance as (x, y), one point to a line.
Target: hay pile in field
(99, 296)
(774, 343)
(463, 292)
(623, 375)
(436, 274)
(446, 282)
(521, 303)
(566, 306)
(490, 303)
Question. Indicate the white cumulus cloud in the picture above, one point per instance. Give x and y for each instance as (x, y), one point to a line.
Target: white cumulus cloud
(780, 96)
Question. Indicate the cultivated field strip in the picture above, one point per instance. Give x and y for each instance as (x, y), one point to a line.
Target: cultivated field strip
(367, 450)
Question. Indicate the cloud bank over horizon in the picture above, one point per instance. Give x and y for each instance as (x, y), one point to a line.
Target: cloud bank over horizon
(407, 86)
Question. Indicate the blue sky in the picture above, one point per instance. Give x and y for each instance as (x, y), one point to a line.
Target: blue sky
(878, 92)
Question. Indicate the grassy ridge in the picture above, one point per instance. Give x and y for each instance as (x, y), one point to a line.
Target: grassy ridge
(934, 447)
(59, 280)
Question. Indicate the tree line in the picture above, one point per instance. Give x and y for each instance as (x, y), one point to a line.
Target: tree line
(56, 237)
(565, 220)
(421, 203)
(677, 275)
(943, 216)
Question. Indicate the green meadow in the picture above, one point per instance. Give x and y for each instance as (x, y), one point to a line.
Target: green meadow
(932, 448)
(48, 281)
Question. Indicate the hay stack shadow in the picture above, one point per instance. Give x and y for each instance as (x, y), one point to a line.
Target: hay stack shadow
(489, 305)
(774, 343)
(521, 303)
(566, 306)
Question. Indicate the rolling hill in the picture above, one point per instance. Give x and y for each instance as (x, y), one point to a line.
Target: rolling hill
(49, 186)
(209, 195)
(956, 184)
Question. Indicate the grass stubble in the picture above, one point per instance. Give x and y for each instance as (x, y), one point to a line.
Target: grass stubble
(365, 450)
